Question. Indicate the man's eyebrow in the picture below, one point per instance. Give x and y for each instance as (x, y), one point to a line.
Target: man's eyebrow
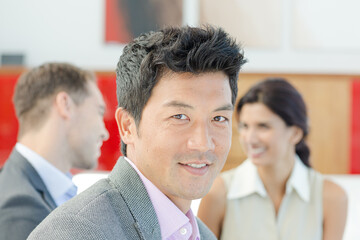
(226, 107)
(178, 104)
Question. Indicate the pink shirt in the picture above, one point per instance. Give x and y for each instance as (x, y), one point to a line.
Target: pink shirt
(174, 224)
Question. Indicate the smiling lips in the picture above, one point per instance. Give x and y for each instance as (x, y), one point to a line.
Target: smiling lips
(196, 165)
(256, 152)
(198, 169)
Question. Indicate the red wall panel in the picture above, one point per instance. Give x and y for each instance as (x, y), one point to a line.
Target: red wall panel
(355, 128)
(8, 121)
(110, 150)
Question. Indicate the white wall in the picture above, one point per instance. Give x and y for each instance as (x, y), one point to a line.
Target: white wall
(54, 30)
(73, 31)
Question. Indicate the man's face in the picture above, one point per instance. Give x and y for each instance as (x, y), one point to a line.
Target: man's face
(184, 134)
(87, 131)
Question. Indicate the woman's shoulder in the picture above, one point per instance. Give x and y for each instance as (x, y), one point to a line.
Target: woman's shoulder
(335, 203)
(333, 192)
(335, 200)
(218, 189)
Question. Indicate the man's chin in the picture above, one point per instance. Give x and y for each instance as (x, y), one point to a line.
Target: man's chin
(88, 165)
(197, 194)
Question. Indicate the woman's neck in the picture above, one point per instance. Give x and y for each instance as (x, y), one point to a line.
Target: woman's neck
(275, 177)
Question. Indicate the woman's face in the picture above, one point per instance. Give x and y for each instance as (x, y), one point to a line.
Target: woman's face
(265, 137)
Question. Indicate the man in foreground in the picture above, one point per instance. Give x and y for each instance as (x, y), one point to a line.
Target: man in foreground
(60, 112)
(176, 91)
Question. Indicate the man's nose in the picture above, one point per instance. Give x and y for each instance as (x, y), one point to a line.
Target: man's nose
(201, 138)
(105, 133)
(250, 135)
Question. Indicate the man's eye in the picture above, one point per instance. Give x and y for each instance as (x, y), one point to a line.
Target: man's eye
(180, 116)
(220, 119)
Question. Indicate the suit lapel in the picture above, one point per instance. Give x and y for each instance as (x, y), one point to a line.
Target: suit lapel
(20, 162)
(134, 193)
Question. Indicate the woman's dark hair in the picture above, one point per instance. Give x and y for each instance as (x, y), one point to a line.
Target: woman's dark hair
(285, 101)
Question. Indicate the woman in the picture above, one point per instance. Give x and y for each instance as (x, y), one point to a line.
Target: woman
(274, 194)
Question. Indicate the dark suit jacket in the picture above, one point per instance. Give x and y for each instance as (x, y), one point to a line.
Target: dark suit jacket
(24, 199)
(117, 207)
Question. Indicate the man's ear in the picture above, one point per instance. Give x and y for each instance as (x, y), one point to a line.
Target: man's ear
(64, 104)
(298, 134)
(126, 125)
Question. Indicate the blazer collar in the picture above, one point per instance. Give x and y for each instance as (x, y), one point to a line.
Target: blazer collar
(134, 193)
(33, 177)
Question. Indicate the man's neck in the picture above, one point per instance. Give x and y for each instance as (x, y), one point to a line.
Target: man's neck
(46, 149)
(182, 204)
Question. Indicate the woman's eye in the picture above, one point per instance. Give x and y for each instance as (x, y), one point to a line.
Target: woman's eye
(264, 126)
(242, 126)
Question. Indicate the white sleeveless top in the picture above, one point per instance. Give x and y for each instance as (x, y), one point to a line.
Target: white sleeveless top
(250, 214)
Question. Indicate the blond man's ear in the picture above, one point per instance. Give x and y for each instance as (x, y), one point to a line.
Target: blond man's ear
(64, 104)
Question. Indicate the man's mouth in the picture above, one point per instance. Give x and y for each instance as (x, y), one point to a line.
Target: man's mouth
(194, 165)
(198, 169)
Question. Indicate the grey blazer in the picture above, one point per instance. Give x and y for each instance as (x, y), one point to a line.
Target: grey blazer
(24, 199)
(117, 207)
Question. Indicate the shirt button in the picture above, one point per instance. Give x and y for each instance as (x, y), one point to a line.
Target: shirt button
(183, 231)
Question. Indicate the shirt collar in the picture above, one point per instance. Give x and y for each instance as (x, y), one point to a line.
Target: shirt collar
(171, 218)
(247, 181)
(299, 180)
(57, 183)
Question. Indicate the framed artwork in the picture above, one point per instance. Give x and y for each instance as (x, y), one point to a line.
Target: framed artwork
(127, 19)
(256, 23)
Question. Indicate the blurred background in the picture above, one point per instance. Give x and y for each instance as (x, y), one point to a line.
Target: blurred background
(315, 44)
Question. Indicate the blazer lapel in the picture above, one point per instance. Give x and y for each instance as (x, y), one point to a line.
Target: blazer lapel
(41, 188)
(33, 177)
(137, 199)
